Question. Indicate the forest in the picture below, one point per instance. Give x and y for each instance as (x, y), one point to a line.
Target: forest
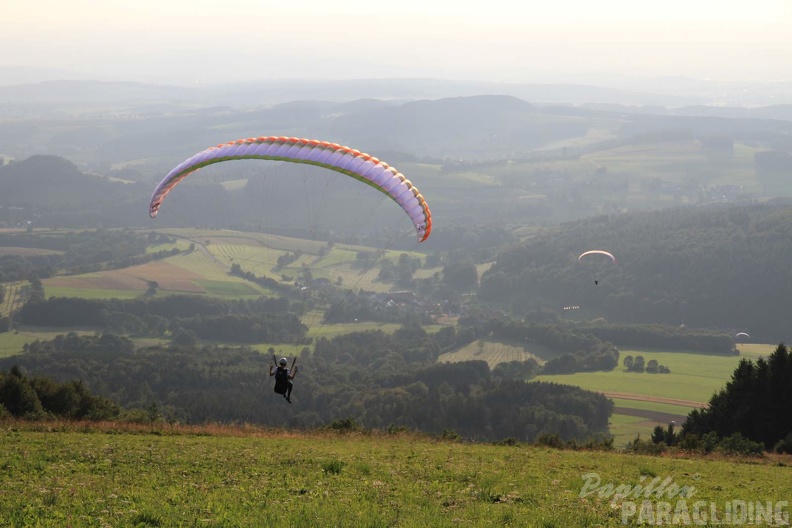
(754, 403)
(376, 379)
(719, 267)
(372, 380)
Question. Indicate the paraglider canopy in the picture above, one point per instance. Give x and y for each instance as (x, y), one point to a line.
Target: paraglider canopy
(741, 334)
(597, 252)
(362, 167)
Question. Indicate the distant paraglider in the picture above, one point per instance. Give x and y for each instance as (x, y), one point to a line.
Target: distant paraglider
(597, 252)
(741, 335)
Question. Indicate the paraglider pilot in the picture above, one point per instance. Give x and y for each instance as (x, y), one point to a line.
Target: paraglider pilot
(283, 378)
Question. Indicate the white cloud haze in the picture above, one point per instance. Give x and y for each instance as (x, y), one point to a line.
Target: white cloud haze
(500, 40)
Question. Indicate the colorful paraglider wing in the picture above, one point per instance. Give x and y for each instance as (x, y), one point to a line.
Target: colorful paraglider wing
(331, 156)
(597, 252)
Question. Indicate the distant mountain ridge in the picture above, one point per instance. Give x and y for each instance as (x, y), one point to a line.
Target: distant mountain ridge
(276, 92)
(166, 124)
(50, 187)
(49, 180)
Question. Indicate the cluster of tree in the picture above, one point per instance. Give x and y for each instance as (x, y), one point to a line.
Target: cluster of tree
(400, 272)
(662, 439)
(244, 328)
(265, 282)
(460, 275)
(756, 402)
(287, 258)
(667, 435)
(78, 252)
(262, 319)
(639, 364)
(665, 337)
(365, 259)
(85, 247)
(578, 351)
(17, 268)
(733, 444)
(377, 379)
(520, 370)
(708, 267)
(39, 397)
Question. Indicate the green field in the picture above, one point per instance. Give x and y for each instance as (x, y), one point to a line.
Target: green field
(654, 399)
(13, 297)
(495, 351)
(12, 343)
(206, 269)
(653, 406)
(693, 377)
(261, 255)
(79, 475)
(641, 400)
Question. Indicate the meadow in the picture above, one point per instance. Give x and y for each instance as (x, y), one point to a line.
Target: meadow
(495, 351)
(58, 474)
(641, 400)
(206, 269)
(644, 400)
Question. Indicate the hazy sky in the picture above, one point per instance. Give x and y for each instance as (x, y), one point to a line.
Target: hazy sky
(190, 41)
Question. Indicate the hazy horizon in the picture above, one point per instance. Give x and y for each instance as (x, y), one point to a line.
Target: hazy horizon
(180, 42)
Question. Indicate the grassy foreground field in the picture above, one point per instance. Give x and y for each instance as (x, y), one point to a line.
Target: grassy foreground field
(56, 475)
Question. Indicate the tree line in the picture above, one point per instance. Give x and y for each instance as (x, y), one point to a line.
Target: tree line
(40, 397)
(579, 351)
(665, 337)
(263, 319)
(79, 252)
(756, 403)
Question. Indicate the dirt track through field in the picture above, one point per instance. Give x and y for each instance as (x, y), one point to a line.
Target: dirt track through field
(656, 399)
(655, 416)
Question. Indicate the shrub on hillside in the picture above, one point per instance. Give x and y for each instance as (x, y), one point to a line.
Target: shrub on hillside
(784, 445)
